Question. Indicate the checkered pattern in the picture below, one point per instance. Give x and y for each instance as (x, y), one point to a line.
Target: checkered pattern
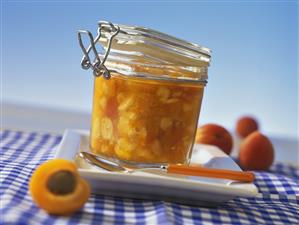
(277, 203)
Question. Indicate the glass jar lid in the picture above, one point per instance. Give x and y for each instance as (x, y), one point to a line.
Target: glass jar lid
(142, 52)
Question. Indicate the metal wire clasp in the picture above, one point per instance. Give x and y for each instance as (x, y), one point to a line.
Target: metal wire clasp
(97, 65)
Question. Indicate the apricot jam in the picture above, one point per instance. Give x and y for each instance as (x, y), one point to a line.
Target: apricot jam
(144, 120)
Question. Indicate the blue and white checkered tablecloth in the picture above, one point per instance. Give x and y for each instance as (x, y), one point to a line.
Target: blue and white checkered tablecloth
(21, 152)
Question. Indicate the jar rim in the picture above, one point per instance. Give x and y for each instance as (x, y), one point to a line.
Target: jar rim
(128, 66)
(163, 78)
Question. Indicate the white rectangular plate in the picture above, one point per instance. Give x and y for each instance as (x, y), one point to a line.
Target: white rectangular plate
(183, 189)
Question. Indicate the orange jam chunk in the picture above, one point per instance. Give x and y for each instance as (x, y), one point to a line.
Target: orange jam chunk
(144, 120)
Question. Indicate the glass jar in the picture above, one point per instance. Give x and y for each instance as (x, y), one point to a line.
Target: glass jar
(147, 103)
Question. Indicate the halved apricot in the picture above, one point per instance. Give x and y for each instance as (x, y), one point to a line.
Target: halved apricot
(57, 188)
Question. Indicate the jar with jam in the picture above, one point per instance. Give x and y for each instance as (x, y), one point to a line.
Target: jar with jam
(148, 90)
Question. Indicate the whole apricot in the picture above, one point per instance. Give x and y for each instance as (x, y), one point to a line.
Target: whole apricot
(214, 134)
(256, 152)
(246, 125)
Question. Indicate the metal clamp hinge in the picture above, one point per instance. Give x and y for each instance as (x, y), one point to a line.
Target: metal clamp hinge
(98, 65)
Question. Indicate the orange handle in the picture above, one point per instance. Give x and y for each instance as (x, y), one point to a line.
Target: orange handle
(212, 173)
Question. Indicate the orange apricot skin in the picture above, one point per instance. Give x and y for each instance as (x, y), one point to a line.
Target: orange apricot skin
(246, 125)
(57, 204)
(214, 134)
(256, 152)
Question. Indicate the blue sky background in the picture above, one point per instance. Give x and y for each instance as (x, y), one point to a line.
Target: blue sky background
(254, 67)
